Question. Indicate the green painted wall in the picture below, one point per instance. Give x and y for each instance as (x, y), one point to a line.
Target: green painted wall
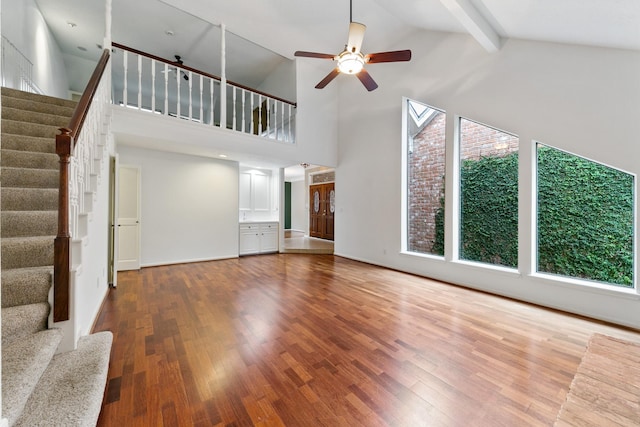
(287, 206)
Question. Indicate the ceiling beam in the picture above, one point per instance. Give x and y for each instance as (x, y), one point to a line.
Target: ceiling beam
(474, 23)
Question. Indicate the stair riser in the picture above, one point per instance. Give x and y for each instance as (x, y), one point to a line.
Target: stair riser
(26, 224)
(30, 178)
(27, 253)
(28, 129)
(13, 93)
(26, 286)
(28, 143)
(29, 199)
(35, 117)
(38, 107)
(27, 159)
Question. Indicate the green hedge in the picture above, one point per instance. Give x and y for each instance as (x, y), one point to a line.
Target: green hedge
(585, 216)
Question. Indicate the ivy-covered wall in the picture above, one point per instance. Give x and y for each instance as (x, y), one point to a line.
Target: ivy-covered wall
(585, 216)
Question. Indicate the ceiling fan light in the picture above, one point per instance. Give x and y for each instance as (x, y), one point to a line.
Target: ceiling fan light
(350, 63)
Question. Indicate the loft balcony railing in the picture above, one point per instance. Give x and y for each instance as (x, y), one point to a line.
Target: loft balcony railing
(17, 70)
(149, 83)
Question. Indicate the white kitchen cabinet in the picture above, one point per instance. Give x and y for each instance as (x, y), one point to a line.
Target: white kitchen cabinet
(258, 237)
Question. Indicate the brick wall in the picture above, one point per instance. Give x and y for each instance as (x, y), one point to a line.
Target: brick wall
(426, 172)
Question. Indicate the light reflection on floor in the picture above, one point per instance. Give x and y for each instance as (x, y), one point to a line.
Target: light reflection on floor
(297, 242)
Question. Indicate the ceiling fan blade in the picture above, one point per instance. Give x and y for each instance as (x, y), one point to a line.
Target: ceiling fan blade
(367, 80)
(393, 56)
(356, 36)
(332, 75)
(313, 55)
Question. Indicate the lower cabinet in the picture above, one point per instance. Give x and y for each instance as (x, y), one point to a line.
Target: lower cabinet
(258, 238)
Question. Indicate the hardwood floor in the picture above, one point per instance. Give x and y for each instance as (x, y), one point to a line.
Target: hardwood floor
(317, 340)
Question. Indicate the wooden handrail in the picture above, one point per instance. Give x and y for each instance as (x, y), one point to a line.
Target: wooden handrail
(65, 144)
(195, 70)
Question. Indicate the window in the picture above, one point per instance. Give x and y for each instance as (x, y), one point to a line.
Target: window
(425, 178)
(585, 218)
(488, 195)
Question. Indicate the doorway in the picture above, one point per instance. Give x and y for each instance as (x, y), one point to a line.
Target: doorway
(322, 210)
(128, 249)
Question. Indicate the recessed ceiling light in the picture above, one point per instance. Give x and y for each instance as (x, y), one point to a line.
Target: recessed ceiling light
(82, 48)
(224, 156)
(169, 33)
(72, 24)
(99, 46)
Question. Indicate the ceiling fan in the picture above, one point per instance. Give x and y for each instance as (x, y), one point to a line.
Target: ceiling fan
(178, 62)
(351, 60)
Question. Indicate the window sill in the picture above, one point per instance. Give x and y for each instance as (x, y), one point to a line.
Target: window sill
(595, 287)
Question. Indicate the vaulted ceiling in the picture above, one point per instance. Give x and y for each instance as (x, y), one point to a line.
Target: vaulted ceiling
(267, 32)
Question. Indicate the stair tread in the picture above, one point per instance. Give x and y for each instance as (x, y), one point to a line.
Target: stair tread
(22, 252)
(37, 106)
(17, 127)
(39, 144)
(32, 199)
(23, 320)
(15, 93)
(20, 240)
(27, 116)
(23, 363)
(71, 389)
(21, 286)
(30, 159)
(28, 223)
(31, 178)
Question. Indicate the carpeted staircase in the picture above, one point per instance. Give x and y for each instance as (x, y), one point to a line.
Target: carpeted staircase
(39, 387)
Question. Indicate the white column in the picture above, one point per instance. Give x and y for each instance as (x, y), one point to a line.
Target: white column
(106, 44)
(223, 77)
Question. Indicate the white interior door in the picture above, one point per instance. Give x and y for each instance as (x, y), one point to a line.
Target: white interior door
(128, 249)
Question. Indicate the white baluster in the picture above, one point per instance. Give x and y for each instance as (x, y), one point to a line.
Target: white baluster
(178, 85)
(212, 84)
(234, 109)
(259, 114)
(268, 116)
(201, 89)
(244, 94)
(283, 135)
(275, 119)
(252, 120)
(166, 89)
(124, 88)
(190, 95)
(139, 81)
(153, 85)
(289, 125)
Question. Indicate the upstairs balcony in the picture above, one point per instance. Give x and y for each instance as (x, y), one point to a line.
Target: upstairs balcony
(156, 85)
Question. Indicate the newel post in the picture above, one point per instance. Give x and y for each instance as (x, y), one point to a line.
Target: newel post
(62, 257)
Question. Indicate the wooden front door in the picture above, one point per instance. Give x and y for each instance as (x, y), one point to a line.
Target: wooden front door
(322, 210)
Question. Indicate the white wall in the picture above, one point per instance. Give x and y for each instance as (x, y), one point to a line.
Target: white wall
(281, 82)
(91, 282)
(79, 71)
(317, 113)
(24, 26)
(298, 206)
(189, 206)
(581, 99)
